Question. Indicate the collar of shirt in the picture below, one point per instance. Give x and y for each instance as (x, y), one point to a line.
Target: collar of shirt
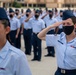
(12, 18)
(59, 18)
(50, 18)
(36, 19)
(74, 40)
(63, 36)
(4, 50)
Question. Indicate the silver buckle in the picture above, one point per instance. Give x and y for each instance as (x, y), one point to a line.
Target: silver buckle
(26, 29)
(63, 71)
(35, 33)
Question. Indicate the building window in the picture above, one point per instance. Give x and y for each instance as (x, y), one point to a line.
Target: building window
(24, 5)
(30, 5)
(34, 5)
(18, 0)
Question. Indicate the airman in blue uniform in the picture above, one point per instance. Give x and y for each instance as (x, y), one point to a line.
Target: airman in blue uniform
(49, 20)
(27, 32)
(14, 27)
(37, 25)
(65, 44)
(12, 60)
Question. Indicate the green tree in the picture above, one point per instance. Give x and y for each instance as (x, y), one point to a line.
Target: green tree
(16, 4)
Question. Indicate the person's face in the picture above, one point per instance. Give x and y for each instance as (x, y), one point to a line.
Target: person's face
(68, 22)
(37, 15)
(50, 14)
(68, 27)
(61, 14)
(27, 14)
(11, 15)
(3, 31)
(17, 12)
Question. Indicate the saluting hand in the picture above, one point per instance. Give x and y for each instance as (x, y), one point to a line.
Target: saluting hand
(16, 36)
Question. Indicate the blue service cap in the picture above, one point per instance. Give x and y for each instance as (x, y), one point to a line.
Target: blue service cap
(67, 14)
(28, 10)
(61, 10)
(37, 11)
(11, 10)
(3, 14)
(16, 9)
(50, 11)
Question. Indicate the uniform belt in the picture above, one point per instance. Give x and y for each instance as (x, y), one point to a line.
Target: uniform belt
(13, 30)
(60, 28)
(64, 71)
(27, 28)
(35, 33)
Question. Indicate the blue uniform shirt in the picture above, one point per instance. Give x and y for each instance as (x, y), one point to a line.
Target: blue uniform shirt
(14, 23)
(65, 52)
(59, 19)
(13, 61)
(27, 25)
(20, 19)
(49, 21)
(37, 25)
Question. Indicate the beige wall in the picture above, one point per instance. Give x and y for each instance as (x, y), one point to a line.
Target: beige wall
(7, 0)
(70, 1)
(1, 4)
(51, 5)
(31, 1)
(49, 1)
(36, 1)
(42, 1)
(60, 1)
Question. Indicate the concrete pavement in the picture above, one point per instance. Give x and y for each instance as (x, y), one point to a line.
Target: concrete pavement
(47, 66)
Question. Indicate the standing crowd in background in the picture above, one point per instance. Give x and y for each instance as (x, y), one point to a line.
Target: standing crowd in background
(30, 23)
(56, 27)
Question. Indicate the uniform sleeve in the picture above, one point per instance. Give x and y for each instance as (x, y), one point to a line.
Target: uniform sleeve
(45, 18)
(22, 67)
(30, 21)
(56, 20)
(18, 23)
(50, 40)
(43, 24)
(21, 20)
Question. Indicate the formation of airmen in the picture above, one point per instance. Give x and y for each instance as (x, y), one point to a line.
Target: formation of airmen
(57, 28)
(30, 23)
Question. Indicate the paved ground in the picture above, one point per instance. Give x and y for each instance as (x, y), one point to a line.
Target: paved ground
(47, 66)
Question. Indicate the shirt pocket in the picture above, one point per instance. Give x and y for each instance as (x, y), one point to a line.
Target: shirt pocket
(73, 51)
(2, 72)
(14, 25)
(39, 25)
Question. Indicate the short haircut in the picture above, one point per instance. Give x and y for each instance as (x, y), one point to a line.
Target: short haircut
(5, 22)
(73, 19)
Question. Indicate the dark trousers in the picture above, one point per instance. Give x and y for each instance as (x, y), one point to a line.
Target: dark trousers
(13, 37)
(27, 40)
(37, 47)
(18, 40)
(50, 49)
(58, 72)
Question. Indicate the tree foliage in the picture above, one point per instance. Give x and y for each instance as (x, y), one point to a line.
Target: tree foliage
(16, 4)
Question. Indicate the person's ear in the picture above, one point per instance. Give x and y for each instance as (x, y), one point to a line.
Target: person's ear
(7, 29)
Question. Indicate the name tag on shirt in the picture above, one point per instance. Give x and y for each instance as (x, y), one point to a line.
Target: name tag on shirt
(60, 41)
(73, 46)
(2, 68)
